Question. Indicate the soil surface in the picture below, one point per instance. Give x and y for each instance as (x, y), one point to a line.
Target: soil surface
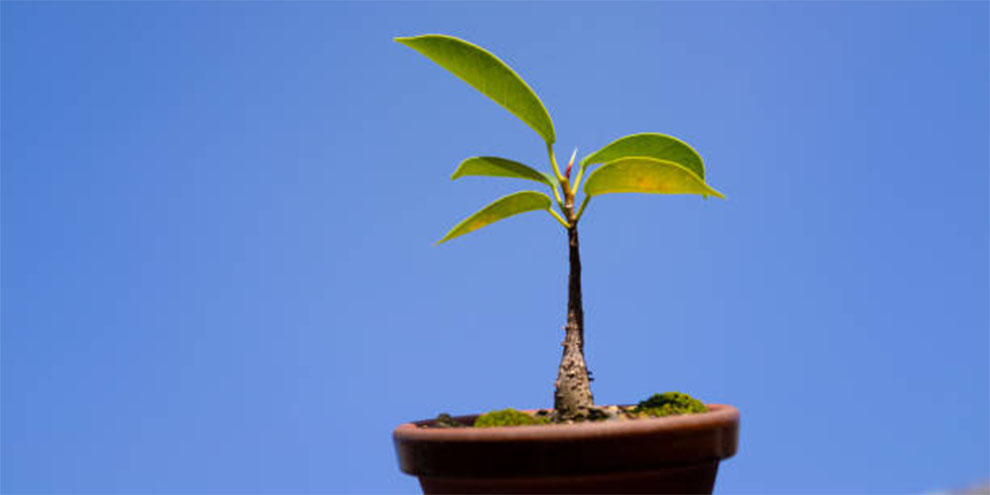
(598, 413)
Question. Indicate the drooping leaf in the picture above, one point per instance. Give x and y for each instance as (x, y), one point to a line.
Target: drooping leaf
(649, 144)
(488, 74)
(505, 207)
(499, 167)
(646, 175)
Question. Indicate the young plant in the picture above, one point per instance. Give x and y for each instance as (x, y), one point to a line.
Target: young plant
(640, 163)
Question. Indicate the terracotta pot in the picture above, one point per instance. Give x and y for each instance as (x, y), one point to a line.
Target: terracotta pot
(675, 454)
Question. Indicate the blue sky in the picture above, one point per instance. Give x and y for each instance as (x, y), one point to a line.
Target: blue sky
(217, 227)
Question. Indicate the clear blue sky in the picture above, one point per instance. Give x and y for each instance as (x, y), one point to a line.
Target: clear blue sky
(218, 272)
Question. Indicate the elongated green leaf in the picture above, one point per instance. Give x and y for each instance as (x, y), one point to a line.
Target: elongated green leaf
(499, 167)
(488, 74)
(646, 175)
(652, 145)
(505, 207)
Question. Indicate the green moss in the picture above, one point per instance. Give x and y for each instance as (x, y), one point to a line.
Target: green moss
(670, 403)
(509, 417)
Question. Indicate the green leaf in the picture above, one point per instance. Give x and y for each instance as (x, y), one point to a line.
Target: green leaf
(652, 145)
(486, 73)
(508, 206)
(494, 166)
(646, 175)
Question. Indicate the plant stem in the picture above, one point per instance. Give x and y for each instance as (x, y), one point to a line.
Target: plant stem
(572, 395)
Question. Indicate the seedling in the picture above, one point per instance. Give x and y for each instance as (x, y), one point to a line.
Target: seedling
(640, 163)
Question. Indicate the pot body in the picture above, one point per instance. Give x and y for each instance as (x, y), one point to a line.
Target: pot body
(674, 454)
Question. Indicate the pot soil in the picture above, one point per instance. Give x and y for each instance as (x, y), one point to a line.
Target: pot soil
(673, 454)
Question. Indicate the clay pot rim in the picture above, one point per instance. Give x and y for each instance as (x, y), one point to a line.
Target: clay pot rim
(717, 415)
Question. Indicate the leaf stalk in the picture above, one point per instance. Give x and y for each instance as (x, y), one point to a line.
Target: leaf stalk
(559, 218)
(553, 162)
(577, 180)
(584, 204)
(556, 195)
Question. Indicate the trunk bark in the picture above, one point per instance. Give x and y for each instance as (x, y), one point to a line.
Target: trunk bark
(572, 395)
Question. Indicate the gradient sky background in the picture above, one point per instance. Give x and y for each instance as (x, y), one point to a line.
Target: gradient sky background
(217, 224)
